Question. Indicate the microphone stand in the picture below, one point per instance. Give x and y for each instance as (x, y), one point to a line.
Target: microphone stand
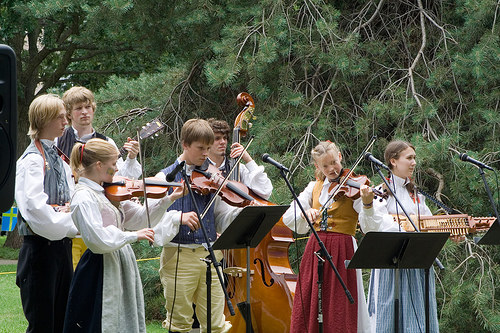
(144, 183)
(488, 191)
(396, 275)
(325, 253)
(212, 259)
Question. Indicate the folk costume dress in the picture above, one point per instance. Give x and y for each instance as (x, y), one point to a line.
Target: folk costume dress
(339, 315)
(106, 291)
(412, 281)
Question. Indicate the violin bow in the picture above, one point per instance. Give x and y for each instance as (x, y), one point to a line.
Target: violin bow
(346, 177)
(144, 183)
(226, 178)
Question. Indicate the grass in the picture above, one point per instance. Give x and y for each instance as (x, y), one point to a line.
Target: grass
(7, 252)
(11, 312)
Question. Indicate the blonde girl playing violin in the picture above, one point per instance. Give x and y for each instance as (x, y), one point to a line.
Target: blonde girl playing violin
(106, 290)
(336, 229)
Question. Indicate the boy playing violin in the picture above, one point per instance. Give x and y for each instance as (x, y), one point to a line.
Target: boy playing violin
(43, 180)
(182, 272)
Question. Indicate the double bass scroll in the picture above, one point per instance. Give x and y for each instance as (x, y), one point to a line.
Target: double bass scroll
(273, 281)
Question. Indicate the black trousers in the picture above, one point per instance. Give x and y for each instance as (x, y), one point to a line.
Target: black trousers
(44, 273)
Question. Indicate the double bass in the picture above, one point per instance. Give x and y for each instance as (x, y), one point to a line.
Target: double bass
(272, 281)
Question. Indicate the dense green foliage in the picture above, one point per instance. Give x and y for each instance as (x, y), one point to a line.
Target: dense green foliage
(424, 71)
(467, 294)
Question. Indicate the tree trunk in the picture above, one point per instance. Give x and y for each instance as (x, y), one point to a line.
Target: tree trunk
(14, 240)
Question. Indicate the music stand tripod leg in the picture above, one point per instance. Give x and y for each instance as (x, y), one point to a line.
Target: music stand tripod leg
(427, 321)
(321, 263)
(208, 281)
(396, 300)
(249, 328)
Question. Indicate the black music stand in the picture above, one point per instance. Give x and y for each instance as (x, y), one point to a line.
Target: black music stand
(492, 237)
(246, 231)
(400, 250)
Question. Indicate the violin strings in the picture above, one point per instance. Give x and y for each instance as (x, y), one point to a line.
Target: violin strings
(351, 170)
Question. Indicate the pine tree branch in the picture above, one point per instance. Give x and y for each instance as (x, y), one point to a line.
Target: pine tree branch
(375, 14)
(420, 54)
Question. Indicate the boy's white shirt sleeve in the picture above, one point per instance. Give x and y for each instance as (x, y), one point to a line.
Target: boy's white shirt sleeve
(169, 224)
(224, 214)
(255, 177)
(130, 168)
(32, 200)
(168, 227)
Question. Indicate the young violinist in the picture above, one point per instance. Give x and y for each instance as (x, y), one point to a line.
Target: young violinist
(106, 291)
(336, 228)
(80, 109)
(43, 187)
(400, 157)
(182, 273)
(251, 174)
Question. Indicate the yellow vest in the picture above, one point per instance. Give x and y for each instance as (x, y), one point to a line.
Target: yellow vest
(342, 218)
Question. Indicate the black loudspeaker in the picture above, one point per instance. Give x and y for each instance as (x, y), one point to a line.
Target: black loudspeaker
(8, 126)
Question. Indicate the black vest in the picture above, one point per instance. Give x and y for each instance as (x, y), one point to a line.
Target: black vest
(185, 204)
(66, 141)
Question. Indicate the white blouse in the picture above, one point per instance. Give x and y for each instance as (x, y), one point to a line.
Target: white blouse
(104, 227)
(378, 217)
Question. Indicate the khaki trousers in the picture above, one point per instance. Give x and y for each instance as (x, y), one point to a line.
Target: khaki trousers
(183, 276)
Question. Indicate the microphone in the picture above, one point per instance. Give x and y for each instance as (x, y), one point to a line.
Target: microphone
(266, 158)
(372, 159)
(466, 158)
(171, 176)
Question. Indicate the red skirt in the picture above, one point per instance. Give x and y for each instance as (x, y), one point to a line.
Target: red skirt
(339, 315)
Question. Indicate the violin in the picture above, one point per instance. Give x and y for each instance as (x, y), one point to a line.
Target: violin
(351, 188)
(124, 189)
(209, 180)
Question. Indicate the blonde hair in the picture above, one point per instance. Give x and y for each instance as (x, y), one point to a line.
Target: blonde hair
(324, 147)
(77, 95)
(197, 130)
(84, 155)
(42, 110)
